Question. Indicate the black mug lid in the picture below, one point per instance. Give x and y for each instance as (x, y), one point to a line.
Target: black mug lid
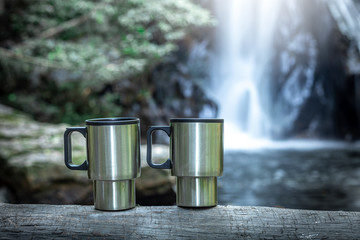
(195, 120)
(112, 121)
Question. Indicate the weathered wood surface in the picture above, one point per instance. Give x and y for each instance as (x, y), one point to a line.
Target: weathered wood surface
(171, 222)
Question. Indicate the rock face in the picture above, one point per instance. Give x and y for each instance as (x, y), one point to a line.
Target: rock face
(32, 166)
(315, 92)
(178, 85)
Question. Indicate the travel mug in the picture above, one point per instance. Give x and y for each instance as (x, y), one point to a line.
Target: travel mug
(113, 160)
(196, 158)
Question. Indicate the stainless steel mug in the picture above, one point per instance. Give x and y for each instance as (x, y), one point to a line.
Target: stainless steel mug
(196, 158)
(113, 160)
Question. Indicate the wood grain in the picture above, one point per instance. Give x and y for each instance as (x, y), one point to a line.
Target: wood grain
(171, 222)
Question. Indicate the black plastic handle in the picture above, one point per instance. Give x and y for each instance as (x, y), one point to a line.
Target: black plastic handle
(167, 163)
(67, 148)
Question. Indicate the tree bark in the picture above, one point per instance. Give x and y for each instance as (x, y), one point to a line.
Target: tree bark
(171, 222)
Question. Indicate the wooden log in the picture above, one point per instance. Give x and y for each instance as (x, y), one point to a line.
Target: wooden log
(171, 222)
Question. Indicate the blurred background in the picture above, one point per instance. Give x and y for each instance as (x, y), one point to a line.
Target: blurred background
(283, 74)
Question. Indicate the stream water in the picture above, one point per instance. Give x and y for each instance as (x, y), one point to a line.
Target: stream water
(319, 178)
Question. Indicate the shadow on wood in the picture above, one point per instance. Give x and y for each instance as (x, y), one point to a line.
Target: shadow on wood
(222, 222)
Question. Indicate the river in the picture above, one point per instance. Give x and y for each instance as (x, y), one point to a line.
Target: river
(319, 179)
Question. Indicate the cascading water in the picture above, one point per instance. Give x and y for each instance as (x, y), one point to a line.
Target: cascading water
(244, 50)
(279, 72)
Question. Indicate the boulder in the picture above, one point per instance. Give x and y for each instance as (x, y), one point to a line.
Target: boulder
(32, 166)
(314, 81)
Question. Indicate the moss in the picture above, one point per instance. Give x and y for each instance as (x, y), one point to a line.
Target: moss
(13, 118)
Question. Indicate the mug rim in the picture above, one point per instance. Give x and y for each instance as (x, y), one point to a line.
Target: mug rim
(197, 120)
(112, 121)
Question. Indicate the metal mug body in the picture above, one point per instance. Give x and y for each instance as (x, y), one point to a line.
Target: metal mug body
(196, 148)
(196, 159)
(113, 160)
(113, 151)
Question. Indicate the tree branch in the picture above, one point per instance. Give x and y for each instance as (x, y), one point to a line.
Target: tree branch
(31, 60)
(67, 25)
(62, 27)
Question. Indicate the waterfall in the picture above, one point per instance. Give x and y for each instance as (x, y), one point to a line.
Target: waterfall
(240, 79)
(281, 70)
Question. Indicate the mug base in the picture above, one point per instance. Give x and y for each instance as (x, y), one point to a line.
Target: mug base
(114, 195)
(199, 192)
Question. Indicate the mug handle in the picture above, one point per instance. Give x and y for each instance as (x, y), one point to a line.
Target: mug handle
(167, 163)
(67, 148)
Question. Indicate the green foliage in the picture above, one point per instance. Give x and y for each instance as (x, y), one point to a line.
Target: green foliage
(96, 43)
(117, 38)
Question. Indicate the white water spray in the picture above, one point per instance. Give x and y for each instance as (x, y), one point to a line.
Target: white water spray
(245, 37)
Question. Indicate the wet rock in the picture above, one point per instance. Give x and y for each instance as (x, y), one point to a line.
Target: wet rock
(178, 85)
(32, 165)
(155, 186)
(315, 88)
(5, 195)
